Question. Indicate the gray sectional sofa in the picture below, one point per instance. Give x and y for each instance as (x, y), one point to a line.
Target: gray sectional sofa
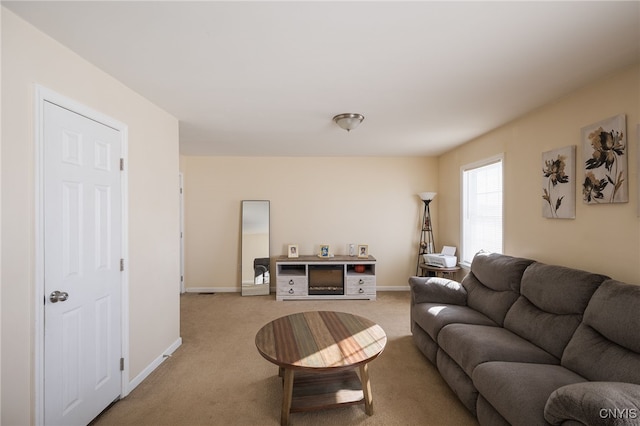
(525, 343)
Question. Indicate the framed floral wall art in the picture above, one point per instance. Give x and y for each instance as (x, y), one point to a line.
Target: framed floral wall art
(605, 162)
(559, 183)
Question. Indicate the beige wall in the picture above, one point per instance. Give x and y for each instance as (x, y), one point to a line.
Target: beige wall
(602, 238)
(28, 58)
(314, 201)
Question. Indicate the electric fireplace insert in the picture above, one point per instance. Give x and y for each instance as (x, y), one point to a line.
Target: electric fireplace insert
(326, 279)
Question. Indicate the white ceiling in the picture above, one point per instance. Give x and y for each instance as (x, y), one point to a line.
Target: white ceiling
(265, 78)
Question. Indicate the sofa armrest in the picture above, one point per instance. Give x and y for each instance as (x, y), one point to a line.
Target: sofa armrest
(595, 403)
(437, 290)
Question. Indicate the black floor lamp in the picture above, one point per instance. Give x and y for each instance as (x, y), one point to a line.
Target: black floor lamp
(427, 243)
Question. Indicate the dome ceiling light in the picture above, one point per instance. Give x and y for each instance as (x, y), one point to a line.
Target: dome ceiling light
(348, 121)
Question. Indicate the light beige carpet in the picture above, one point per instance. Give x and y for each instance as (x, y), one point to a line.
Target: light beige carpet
(217, 376)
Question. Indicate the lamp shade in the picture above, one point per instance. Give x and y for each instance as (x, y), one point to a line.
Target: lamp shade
(427, 196)
(348, 121)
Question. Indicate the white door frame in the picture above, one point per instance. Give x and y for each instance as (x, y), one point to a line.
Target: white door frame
(181, 184)
(43, 95)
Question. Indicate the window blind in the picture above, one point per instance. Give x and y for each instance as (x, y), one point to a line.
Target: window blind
(482, 209)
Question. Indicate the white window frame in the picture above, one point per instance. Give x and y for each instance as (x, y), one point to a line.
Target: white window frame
(463, 209)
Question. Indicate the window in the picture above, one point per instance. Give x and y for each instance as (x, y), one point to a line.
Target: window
(481, 208)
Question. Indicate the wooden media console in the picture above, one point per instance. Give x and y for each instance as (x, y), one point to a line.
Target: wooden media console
(314, 277)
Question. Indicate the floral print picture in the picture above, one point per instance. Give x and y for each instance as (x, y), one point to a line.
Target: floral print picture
(559, 183)
(605, 162)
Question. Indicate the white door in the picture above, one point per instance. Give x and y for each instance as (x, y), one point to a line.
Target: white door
(82, 251)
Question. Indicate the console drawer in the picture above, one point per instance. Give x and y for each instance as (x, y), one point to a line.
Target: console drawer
(365, 284)
(291, 286)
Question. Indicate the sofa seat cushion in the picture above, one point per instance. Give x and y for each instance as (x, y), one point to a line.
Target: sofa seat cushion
(518, 391)
(471, 345)
(431, 317)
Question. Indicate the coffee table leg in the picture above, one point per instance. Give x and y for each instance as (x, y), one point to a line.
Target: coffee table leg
(366, 389)
(287, 392)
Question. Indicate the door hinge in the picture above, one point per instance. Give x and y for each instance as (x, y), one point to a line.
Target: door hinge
(122, 164)
(121, 364)
(181, 278)
(121, 264)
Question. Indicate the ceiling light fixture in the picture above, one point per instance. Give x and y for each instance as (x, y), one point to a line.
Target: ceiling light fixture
(348, 121)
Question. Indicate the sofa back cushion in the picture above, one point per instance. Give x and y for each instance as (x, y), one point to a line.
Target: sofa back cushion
(606, 345)
(551, 304)
(494, 283)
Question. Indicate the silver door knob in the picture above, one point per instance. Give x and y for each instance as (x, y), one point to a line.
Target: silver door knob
(58, 296)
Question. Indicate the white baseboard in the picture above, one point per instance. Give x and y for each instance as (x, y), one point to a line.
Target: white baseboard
(273, 290)
(393, 288)
(212, 290)
(154, 364)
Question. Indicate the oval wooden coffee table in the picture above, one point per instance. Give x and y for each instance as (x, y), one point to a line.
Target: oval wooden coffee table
(323, 348)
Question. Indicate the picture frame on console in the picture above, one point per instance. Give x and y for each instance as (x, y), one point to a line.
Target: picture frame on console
(324, 250)
(292, 251)
(363, 250)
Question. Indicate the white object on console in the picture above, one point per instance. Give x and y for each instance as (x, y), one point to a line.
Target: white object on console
(446, 259)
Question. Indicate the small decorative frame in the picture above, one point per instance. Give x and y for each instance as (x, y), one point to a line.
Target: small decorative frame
(605, 162)
(559, 183)
(292, 251)
(363, 250)
(325, 250)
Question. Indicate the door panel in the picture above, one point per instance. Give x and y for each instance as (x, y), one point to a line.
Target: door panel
(71, 341)
(82, 251)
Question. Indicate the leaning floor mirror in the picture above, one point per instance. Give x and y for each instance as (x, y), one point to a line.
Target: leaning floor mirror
(255, 274)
